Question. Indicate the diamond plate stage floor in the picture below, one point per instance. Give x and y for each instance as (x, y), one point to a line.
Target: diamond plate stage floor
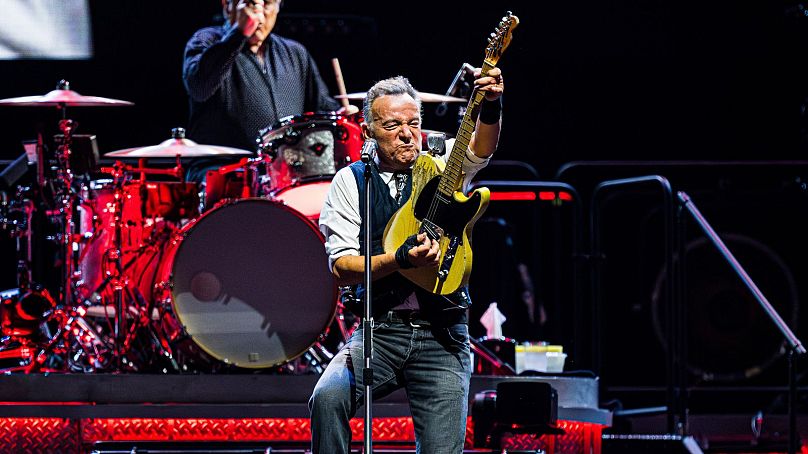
(70, 412)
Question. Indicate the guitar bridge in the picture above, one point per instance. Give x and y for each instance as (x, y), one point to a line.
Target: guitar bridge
(448, 258)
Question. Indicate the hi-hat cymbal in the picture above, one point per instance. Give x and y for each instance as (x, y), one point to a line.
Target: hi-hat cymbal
(61, 98)
(185, 148)
(425, 97)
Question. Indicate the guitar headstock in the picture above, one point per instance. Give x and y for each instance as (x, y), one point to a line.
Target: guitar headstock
(500, 38)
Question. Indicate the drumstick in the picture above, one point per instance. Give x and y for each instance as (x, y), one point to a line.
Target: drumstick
(340, 82)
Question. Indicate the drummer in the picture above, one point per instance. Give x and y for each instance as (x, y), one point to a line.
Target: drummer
(240, 77)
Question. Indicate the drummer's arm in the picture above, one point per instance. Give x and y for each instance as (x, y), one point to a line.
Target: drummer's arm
(208, 57)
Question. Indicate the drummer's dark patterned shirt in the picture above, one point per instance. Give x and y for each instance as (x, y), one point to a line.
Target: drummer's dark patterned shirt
(233, 95)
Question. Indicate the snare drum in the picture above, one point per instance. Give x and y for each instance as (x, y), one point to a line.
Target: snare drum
(310, 145)
(245, 285)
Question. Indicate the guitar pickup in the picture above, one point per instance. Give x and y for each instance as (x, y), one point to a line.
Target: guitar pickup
(448, 258)
(432, 230)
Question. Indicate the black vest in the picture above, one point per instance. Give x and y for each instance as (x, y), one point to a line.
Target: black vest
(392, 290)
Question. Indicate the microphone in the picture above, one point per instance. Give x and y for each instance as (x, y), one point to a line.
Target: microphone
(444, 106)
(436, 142)
(368, 148)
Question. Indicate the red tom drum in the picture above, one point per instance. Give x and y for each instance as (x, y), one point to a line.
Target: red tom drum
(310, 145)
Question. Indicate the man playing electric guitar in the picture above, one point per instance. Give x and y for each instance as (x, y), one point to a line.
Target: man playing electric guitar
(420, 337)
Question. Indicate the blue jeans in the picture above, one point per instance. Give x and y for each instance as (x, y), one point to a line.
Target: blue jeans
(432, 364)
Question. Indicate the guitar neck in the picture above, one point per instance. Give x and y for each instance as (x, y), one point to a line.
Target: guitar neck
(451, 178)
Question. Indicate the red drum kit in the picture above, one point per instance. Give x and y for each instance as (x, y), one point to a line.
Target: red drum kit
(160, 274)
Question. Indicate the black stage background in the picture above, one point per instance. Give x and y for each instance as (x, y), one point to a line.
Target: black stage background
(586, 80)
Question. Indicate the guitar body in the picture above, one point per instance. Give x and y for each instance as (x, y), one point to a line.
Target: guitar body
(455, 218)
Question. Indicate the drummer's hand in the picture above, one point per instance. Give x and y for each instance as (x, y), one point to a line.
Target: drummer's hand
(492, 84)
(350, 109)
(249, 16)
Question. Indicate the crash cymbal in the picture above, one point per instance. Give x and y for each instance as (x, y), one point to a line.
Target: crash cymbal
(63, 96)
(178, 145)
(170, 148)
(425, 97)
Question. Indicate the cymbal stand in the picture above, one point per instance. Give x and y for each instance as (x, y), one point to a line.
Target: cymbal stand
(119, 280)
(67, 208)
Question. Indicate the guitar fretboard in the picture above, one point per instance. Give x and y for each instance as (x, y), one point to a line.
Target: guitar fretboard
(451, 178)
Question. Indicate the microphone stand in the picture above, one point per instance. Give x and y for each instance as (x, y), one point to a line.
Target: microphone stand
(444, 106)
(367, 319)
(795, 347)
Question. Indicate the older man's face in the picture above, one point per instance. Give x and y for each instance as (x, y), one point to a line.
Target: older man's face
(396, 127)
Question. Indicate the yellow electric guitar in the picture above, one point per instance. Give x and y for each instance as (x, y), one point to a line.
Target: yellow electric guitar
(437, 205)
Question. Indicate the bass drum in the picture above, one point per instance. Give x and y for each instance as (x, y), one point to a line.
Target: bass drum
(307, 196)
(246, 286)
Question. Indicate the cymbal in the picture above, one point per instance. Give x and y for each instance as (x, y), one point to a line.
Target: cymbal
(58, 98)
(185, 148)
(425, 97)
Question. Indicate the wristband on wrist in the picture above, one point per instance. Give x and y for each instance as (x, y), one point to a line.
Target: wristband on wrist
(490, 111)
(402, 256)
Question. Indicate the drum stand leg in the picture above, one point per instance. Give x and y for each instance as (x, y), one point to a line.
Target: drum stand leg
(158, 345)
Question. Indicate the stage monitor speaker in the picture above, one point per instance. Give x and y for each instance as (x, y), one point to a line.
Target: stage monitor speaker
(645, 444)
(760, 210)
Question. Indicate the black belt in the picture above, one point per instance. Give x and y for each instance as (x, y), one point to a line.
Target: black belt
(406, 317)
(416, 319)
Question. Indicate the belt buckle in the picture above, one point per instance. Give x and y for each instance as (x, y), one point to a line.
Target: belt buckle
(410, 320)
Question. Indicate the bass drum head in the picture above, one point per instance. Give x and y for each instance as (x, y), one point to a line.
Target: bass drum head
(250, 284)
(307, 197)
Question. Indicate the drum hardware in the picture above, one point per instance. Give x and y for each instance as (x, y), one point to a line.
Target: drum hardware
(42, 335)
(113, 267)
(76, 343)
(120, 301)
(119, 169)
(64, 189)
(233, 181)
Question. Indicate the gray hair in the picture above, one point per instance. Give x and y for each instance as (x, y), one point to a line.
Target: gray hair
(398, 85)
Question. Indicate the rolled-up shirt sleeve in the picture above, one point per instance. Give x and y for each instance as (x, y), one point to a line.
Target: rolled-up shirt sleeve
(340, 220)
(471, 165)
